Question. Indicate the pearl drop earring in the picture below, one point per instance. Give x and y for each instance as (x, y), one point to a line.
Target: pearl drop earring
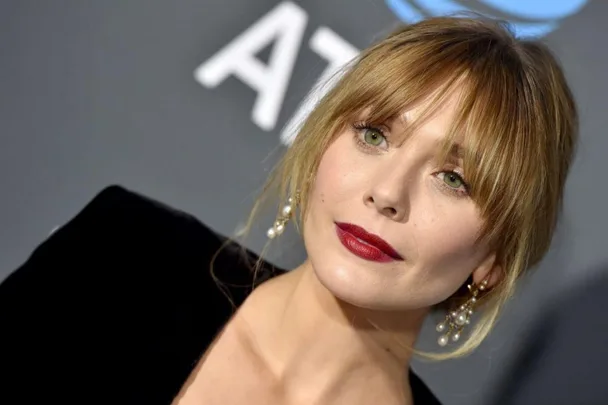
(455, 320)
(286, 213)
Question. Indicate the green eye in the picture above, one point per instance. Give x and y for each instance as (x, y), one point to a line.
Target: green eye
(453, 180)
(373, 137)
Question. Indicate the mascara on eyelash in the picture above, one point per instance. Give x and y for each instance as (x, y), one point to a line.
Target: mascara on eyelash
(361, 125)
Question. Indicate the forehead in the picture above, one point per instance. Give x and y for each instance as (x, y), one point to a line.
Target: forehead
(435, 115)
(446, 98)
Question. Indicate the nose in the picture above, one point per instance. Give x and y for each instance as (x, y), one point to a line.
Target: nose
(390, 193)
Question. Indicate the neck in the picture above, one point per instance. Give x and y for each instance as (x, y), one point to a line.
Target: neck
(320, 346)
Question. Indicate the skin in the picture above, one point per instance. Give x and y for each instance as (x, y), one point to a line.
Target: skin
(337, 328)
(398, 191)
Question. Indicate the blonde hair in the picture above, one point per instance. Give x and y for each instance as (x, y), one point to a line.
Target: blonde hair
(516, 114)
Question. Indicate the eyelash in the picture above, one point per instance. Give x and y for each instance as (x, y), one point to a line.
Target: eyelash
(362, 125)
(455, 192)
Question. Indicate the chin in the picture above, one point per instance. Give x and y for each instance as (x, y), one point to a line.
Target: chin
(356, 285)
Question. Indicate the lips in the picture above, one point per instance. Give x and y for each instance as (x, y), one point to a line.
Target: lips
(364, 244)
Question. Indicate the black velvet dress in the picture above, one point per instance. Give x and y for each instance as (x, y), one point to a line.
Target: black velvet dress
(118, 305)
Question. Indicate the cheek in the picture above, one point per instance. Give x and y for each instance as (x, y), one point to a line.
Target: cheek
(339, 174)
(446, 238)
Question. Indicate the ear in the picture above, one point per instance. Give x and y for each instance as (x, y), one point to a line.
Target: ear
(489, 270)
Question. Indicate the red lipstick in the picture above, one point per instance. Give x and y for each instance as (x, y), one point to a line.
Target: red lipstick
(364, 244)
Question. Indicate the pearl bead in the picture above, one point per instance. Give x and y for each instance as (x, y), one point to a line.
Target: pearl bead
(440, 327)
(455, 337)
(454, 314)
(443, 340)
(287, 210)
(461, 319)
(468, 322)
(473, 300)
(279, 228)
(271, 233)
(290, 200)
(462, 307)
(470, 312)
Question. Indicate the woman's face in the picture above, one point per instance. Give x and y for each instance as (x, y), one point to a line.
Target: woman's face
(396, 192)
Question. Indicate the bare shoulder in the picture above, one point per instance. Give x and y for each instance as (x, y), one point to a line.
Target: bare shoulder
(264, 305)
(270, 292)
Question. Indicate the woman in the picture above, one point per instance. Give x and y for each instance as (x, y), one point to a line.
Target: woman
(430, 177)
(437, 163)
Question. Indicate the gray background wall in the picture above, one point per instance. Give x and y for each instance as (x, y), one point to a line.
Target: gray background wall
(104, 92)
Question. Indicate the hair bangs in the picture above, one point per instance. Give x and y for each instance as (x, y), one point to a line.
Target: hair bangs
(496, 122)
(386, 82)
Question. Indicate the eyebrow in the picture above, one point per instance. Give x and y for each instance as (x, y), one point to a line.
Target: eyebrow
(457, 151)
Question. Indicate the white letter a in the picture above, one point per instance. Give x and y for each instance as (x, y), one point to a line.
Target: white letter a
(285, 24)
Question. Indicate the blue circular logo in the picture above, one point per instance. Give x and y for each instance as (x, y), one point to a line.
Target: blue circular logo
(528, 18)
